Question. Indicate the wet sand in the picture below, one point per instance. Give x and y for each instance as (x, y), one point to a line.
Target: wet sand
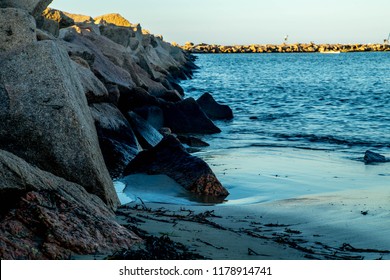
(284, 204)
(340, 225)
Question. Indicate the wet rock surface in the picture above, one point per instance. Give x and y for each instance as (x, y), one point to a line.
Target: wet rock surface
(372, 157)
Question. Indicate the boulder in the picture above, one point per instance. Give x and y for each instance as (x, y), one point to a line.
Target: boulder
(192, 141)
(94, 89)
(170, 96)
(84, 43)
(131, 99)
(49, 26)
(77, 18)
(213, 109)
(147, 135)
(117, 140)
(170, 158)
(17, 29)
(187, 117)
(115, 19)
(372, 157)
(46, 120)
(34, 7)
(121, 35)
(58, 16)
(153, 115)
(46, 217)
(113, 93)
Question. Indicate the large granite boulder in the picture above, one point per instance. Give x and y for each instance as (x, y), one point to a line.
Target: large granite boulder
(117, 140)
(47, 217)
(17, 29)
(34, 7)
(169, 157)
(213, 109)
(46, 119)
(187, 117)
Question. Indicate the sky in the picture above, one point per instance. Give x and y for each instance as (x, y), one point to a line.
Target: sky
(230, 22)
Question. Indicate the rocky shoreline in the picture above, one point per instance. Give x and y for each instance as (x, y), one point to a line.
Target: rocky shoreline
(82, 101)
(285, 48)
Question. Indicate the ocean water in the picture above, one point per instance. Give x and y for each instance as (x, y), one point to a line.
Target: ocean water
(314, 101)
(302, 123)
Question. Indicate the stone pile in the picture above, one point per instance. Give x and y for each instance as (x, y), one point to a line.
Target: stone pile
(285, 48)
(81, 100)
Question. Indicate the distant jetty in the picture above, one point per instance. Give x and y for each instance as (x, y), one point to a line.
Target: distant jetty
(286, 48)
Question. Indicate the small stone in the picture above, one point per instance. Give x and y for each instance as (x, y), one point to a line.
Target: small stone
(372, 157)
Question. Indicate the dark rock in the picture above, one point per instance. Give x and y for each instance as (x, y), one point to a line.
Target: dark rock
(17, 29)
(45, 118)
(177, 87)
(113, 93)
(131, 99)
(214, 110)
(170, 158)
(371, 157)
(187, 117)
(47, 217)
(170, 96)
(117, 140)
(153, 115)
(165, 131)
(192, 141)
(147, 135)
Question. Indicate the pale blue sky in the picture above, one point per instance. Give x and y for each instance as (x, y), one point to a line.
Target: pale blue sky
(249, 21)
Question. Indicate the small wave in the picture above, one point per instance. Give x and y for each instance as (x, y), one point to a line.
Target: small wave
(328, 139)
(273, 145)
(274, 116)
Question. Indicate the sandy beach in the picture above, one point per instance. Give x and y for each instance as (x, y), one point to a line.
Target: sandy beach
(283, 204)
(340, 225)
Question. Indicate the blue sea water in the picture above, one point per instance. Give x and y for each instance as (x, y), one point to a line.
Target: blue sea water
(302, 123)
(314, 101)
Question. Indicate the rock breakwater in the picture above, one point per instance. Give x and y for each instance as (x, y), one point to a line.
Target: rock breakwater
(81, 99)
(286, 48)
